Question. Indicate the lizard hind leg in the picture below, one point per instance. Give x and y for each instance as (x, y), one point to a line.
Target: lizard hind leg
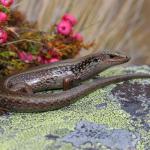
(21, 88)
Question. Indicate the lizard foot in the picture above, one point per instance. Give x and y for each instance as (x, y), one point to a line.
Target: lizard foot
(22, 88)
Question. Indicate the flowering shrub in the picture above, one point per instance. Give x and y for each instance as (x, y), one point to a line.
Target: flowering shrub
(22, 46)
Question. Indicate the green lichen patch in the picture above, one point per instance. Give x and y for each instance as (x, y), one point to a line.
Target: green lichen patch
(21, 131)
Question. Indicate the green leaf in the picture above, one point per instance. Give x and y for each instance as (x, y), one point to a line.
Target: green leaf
(33, 49)
(4, 9)
(7, 54)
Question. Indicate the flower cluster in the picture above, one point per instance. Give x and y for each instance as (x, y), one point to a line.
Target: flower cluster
(22, 47)
(65, 27)
(5, 4)
(28, 57)
(50, 53)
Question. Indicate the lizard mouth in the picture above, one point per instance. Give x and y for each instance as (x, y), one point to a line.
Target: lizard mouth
(117, 58)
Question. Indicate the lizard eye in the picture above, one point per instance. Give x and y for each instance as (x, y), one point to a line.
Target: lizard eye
(111, 56)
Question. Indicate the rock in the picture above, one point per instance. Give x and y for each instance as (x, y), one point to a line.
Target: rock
(117, 112)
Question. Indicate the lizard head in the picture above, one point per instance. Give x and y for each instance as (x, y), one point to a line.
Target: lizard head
(115, 58)
(105, 60)
(101, 61)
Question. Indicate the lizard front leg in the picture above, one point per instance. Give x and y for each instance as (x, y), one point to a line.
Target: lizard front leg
(68, 82)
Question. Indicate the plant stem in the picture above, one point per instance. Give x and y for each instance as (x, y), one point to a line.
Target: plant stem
(27, 40)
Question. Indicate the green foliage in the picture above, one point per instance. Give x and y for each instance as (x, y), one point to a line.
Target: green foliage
(7, 54)
(4, 9)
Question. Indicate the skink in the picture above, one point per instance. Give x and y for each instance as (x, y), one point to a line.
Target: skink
(59, 75)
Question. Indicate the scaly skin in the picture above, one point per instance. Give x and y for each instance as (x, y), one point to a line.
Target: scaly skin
(44, 102)
(53, 76)
(89, 66)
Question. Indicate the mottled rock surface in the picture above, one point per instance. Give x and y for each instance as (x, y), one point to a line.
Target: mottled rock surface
(115, 117)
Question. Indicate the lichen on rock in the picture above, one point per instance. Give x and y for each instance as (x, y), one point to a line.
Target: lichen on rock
(102, 109)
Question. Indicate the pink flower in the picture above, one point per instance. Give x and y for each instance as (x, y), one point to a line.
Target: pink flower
(53, 60)
(25, 57)
(39, 59)
(71, 19)
(78, 37)
(3, 17)
(64, 28)
(44, 60)
(3, 36)
(7, 3)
